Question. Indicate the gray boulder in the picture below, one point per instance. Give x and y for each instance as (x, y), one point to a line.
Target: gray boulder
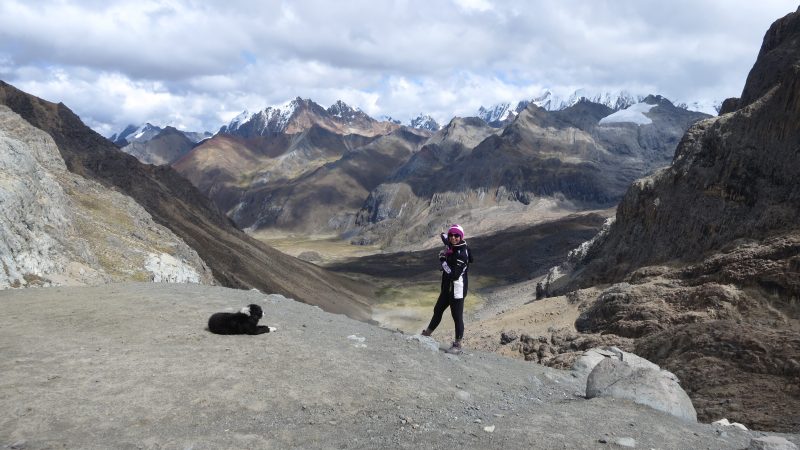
(771, 443)
(590, 358)
(658, 389)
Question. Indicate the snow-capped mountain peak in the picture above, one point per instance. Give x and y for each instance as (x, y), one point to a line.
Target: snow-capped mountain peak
(501, 112)
(615, 100)
(424, 122)
(243, 117)
(347, 113)
(272, 119)
(132, 133)
(494, 113)
(342, 110)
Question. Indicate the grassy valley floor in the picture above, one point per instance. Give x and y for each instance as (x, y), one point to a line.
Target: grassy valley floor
(406, 284)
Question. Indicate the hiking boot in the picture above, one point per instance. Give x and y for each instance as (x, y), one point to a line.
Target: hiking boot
(426, 332)
(454, 349)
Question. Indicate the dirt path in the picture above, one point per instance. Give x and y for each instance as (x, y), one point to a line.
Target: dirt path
(131, 366)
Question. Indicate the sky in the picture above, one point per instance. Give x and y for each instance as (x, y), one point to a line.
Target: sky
(196, 64)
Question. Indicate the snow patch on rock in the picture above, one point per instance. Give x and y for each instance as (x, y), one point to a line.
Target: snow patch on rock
(632, 114)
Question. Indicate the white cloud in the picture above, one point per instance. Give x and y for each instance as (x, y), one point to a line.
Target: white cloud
(197, 64)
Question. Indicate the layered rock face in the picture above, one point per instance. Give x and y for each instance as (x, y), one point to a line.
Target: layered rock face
(706, 253)
(60, 228)
(733, 177)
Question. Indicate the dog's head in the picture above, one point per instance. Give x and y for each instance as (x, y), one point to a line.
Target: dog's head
(253, 311)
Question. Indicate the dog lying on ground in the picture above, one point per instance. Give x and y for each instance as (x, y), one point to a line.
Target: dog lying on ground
(243, 322)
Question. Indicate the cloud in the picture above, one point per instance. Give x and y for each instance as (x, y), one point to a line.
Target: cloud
(196, 64)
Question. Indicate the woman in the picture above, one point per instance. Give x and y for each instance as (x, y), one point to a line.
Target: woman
(455, 262)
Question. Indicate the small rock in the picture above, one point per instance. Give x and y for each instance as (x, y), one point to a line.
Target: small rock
(727, 423)
(489, 429)
(507, 337)
(626, 442)
(464, 396)
(426, 342)
(478, 421)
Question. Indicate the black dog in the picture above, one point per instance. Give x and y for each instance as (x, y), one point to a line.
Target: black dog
(242, 322)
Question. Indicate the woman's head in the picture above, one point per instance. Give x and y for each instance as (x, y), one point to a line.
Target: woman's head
(455, 230)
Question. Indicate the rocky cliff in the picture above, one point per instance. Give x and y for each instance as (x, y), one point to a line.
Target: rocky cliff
(705, 255)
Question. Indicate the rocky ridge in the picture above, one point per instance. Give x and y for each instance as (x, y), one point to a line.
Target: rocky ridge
(300, 114)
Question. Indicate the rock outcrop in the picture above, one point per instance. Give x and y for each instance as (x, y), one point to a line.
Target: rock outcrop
(60, 228)
(623, 375)
(704, 256)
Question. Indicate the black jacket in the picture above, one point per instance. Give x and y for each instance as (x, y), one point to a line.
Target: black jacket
(455, 262)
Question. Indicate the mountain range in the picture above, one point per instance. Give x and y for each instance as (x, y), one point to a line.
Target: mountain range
(170, 201)
(346, 119)
(266, 170)
(541, 163)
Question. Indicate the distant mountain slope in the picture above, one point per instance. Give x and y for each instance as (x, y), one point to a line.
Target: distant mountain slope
(542, 162)
(148, 131)
(328, 198)
(255, 180)
(164, 148)
(235, 259)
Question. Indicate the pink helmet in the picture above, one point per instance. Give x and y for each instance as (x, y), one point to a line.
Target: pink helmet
(456, 229)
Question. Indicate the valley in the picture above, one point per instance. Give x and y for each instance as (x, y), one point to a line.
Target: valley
(405, 285)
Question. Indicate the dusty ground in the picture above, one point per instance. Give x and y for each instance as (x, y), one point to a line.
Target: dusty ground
(131, 366)
(519, 315)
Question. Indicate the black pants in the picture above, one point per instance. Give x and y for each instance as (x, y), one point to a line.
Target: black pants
(456, 309)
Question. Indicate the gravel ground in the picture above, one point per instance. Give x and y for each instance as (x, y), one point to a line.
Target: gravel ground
(132, 366)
